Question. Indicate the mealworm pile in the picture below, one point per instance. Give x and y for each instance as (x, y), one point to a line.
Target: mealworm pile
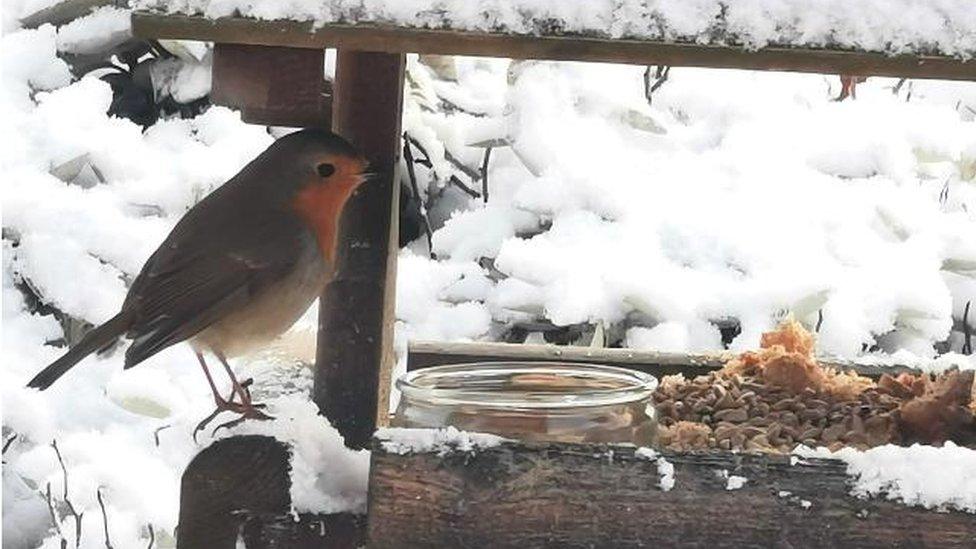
(775, 398)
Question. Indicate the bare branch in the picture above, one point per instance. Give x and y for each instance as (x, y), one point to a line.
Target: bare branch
(98, 494)
(484, 175)
(6, 445)
(411, 173)
(54, 515)
(71, 508)
(152, 536)
(464, 188)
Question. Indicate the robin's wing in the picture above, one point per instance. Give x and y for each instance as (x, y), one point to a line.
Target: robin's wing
(212, 264)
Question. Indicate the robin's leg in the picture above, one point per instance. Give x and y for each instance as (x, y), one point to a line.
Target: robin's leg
(247, 408)
(223, 405)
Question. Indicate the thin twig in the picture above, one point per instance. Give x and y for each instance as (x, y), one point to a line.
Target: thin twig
(152, 536)
(473, 174)
(484, 174)
(408, 157)
(425, 161)
(156, 433)
(6, 445)
(967, 331)
(54, 515)
(660, 77)
(464, 188)
(819, 320)
(98, 494)
(71, 508)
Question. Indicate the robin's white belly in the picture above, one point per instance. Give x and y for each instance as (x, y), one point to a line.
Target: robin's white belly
(269, 314)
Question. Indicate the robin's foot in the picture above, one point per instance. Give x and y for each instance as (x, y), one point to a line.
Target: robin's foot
(252, 411)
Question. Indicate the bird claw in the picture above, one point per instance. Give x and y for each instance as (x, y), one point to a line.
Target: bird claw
(252, 413)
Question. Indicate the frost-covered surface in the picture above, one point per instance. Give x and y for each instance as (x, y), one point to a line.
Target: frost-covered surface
(400, 440)
(934, 478)
(732, 482)
(736, 195)
(891, 26)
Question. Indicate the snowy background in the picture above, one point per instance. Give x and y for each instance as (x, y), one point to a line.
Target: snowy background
(690, 221)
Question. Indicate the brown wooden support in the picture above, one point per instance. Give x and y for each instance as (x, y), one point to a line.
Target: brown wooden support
(567, 495)
(273, 85)
(824, 60)
(355, 355)
(435, 353)
(241, 485)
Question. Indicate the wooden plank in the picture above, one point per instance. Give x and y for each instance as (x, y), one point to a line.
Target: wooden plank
(562, 495)
(242, 484)
(65, 12)
(355, 355)
(563, 48)
(423, 354)
(272, 85)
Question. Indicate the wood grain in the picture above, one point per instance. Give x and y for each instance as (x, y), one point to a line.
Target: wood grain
(562, 495)
(355, 344)
(563, 48)
(434, 353)
(272, 85)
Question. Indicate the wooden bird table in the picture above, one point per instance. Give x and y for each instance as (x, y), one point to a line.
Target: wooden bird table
(512, 495)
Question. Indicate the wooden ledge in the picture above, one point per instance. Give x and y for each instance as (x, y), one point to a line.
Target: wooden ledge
(423, 354)
(567, 495)
(146, 24)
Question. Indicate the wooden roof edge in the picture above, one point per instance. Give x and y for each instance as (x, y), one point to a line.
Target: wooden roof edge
(147, 24)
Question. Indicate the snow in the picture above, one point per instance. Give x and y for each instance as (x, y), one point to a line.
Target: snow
(891, 26)
(402, 440)
(735, 482)
(934, 478)
(665, 469)
(733, 194)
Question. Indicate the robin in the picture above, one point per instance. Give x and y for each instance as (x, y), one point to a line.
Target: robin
(240, 267)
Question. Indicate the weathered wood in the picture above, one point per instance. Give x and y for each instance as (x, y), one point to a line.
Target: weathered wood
(66, 11)
(516, 495)
(567, 48)
(272, 85)
(434, 353)
(242, 485)
(355, 344)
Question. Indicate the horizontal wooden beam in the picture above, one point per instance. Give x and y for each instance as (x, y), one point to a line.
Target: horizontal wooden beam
(423, 354)
(564, 48)
(564, 495)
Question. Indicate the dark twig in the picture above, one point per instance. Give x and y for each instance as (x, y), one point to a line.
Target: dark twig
(408, 157)
(152, 536)
(967, 331)
(473, 174)
(425, 161)
(464, 188)
(660, 77)
(6, 445)
(71, 508)
(98, 494)
(54, 515)
(156, 433)
(897, 87)
(944, 193)
(484, 174)
(819, 320)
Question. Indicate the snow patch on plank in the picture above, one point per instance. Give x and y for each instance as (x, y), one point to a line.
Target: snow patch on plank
(400, 440)
(927, 476)
(894, 26)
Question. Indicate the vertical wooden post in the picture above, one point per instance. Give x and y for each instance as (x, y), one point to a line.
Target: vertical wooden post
(355, 341)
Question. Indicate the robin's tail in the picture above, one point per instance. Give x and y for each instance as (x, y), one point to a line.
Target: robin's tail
(93, 341)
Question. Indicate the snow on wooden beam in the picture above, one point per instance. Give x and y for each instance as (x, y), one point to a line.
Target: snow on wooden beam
(391, 39)
(565, 495)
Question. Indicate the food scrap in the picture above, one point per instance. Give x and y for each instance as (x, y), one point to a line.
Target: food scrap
(780, 396)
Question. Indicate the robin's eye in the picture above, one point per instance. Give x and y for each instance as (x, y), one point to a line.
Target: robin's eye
(325, 169)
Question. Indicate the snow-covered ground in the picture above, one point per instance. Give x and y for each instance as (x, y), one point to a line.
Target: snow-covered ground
(733, 195)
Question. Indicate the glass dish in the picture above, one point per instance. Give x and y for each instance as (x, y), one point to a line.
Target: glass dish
(532, 401)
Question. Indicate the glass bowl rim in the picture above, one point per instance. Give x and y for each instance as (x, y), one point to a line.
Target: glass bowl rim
(639, 386)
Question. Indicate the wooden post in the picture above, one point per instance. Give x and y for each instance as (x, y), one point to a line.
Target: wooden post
(355, 342)
(272, 85)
